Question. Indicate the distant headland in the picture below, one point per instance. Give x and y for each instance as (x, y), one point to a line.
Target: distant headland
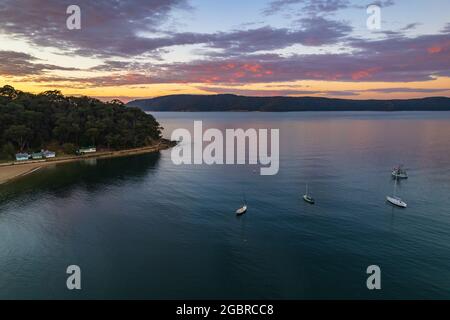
(230, 102)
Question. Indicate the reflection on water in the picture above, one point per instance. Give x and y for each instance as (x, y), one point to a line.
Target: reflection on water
(141, 227)
(90, 174)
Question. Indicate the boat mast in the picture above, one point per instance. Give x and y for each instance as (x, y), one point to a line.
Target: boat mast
(395, 187)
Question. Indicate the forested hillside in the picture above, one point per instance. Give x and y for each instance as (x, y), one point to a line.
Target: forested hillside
(230, 102)
(30, 122)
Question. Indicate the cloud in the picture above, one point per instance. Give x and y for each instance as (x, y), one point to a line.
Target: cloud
(382, 4)
(313, 7)
(403, 90)
(237, 57)
(343, 93)
(277, 92)
(115, 66)
(446, 28)
(401, 32)
(22, 64)
(411, 26)
(107, 27)
(128, 28)
(261, 93)
(400, 59)
(315, 31)
(319, 7)
(406, 59)
(298, 92)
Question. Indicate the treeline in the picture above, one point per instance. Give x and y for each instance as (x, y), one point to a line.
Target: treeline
(230, 102)
(30, 122)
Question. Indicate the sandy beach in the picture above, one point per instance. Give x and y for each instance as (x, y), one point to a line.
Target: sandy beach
(14, 170)
(8, 173)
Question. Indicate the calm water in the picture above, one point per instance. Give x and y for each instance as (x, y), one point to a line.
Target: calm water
(141, 227)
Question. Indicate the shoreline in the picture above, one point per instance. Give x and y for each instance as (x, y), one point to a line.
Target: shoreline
(294, 111)
(13, 170)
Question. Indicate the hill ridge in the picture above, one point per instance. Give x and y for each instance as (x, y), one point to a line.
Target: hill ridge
(232, 102)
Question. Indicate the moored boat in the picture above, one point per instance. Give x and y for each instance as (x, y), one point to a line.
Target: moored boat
(399, 173)
(242, 209)
(308, 198)
(396, 201)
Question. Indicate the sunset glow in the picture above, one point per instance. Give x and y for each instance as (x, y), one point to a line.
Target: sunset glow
(135, 49)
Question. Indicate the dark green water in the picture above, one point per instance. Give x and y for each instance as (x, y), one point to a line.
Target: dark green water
(141, 227)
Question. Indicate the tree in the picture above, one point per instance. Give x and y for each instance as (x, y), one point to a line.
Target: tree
(18, 134)
(8, 151)
(10, 92)
(92, 133)
(69, 148)
(29, 121)
(116, 102)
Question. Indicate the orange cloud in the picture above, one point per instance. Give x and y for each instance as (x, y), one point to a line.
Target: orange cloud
(438, 48)
(363, 74)
(252, 67)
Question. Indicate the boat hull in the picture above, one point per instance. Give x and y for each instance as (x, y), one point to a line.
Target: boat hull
(396, 202)
(399, 176)
(241, 211)
(308, 199)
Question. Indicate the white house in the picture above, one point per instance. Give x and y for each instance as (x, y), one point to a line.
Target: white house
(87, 150)
(48, 154)
(22, 156)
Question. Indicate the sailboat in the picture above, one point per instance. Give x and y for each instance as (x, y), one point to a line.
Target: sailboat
(243, 209)
(399, 173)
(396, 201)
(307, 197)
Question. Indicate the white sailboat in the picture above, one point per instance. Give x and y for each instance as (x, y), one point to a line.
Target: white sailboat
(242, 209)
(396, 201)
(307, 197)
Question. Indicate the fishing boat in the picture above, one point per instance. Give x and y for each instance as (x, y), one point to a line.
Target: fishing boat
(396, 201)
(399, 173)
(242, 209)
(307, 197)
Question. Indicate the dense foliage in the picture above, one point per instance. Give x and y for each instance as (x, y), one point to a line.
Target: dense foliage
(31, 122)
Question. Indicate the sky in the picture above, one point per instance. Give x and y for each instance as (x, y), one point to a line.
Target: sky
(146, 48)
